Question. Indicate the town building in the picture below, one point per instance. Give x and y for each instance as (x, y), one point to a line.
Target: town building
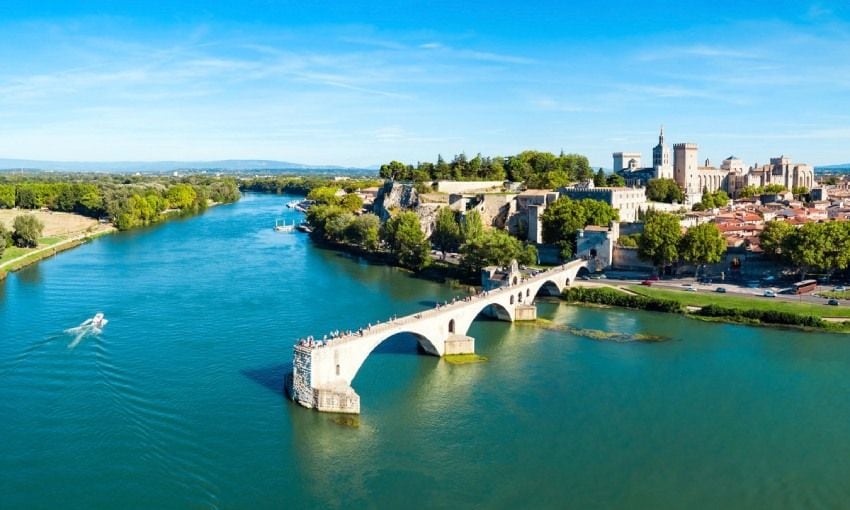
(629, 201)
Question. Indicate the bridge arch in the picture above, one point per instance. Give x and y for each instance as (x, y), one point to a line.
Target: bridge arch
(548, 288)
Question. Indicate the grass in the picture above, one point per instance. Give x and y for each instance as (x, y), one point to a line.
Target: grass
(13, 252)
(464, 359)
(741, 302)
(835, 294)
(598, 334)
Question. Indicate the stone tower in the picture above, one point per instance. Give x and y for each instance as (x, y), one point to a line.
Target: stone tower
(685, 167)
(661, 159)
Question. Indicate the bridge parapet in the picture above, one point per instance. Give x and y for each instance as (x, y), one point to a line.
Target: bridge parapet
(324, 370)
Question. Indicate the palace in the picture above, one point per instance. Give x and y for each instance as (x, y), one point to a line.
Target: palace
(694, 179)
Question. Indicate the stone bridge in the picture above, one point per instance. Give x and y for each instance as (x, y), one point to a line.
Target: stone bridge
(323, 371)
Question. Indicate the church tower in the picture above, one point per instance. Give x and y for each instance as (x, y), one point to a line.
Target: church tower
(661, 159)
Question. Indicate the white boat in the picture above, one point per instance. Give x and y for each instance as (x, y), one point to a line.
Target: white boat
(98, 320)
(283, 227)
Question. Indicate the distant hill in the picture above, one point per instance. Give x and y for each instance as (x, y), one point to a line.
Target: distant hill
(833, 168)
(229, 165)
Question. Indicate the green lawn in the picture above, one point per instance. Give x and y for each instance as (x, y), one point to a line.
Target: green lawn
(835, 294)
(13, 252)
(709, 297)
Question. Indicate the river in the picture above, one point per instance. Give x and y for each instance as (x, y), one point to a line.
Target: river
(178, 403)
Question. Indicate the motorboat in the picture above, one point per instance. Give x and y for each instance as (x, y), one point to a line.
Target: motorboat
(98, 320)
(283, 227)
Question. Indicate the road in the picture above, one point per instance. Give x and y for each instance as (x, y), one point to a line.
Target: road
(681, 284)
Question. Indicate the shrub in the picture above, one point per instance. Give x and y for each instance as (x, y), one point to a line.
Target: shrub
(765, 316)
(611, 297)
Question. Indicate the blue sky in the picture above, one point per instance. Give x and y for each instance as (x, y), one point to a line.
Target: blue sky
(357, 83)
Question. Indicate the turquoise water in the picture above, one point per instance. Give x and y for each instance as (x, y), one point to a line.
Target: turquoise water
(179, 404)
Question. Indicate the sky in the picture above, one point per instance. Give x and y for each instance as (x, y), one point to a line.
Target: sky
(362, 83)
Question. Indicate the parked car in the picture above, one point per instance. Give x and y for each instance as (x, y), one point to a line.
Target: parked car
(769, 293)
(691, 289)
(584, 277)
(840, 288)
(599, 277)
(648, 283)
(721, 290)
(833, 302)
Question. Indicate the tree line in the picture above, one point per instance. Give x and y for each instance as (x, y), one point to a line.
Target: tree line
(662, 242)
(813, 246)
(128, 201)
(302, 185)
(539, 170)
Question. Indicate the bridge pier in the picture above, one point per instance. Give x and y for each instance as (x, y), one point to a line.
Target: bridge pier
(323, 371)
(338, 399)
(459, 344)
(525, 313)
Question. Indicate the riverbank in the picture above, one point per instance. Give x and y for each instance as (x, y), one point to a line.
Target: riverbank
(715, 308)
(437, 271)
(40, 253)
(62, 231)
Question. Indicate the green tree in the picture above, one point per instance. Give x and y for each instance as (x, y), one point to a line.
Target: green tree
(26, 198)
(7, 196)
(664, 190)
(702, 244)
(822, 246)
(774, 236)
(749, 191)
(364, 231)
(659, 242)
(324, 195)
(599, 179)
(629, 241)
(774, 188)
(319, 216)
(564, 217)
(181, 196)
(798, 191)
(495, 247)
(27, 231)
(406, 241)
(351, 202)
(471, 227)
(446, 234)
(5, 238)
(396, 170)
(615, 181)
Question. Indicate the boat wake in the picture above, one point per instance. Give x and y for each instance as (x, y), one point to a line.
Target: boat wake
(89, 327)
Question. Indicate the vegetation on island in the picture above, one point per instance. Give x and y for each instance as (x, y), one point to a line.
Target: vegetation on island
(127, 201)
(302, 185)
(540, 170)
(464, 359)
